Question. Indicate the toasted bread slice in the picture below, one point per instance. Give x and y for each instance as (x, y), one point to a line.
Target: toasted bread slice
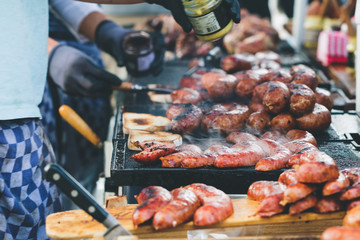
(144, 121)
(140, 136)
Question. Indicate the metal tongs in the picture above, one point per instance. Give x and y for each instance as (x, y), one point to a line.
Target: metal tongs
(81, 197)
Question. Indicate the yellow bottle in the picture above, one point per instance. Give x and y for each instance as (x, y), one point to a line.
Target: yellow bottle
(209, 18)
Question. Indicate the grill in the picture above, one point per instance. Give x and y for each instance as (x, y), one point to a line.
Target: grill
(126, 172)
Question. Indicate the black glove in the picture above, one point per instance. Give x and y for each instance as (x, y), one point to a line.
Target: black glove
(177, 10)
(76, 73)
(108, 37)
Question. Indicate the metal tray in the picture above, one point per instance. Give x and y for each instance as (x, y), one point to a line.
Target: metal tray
(126, 172)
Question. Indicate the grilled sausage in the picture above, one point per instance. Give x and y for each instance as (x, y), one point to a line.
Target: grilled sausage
(179, 210)
(301, 135)
(208, 78)
(336, 186)
(328, 204)
(233, 120)
(353, 204)
(317, 172)
(274, 135)
(257, 107)
(303, 204)
(307, 155)
(283, 122)
(302, 99)
(352, 217)
(305, 75)
(277, 158)
(246, 84)
(152, 151)
(258, 122)
(240, 137)
(187, 121)
(176, 109)
(248, 154)
(297, 191)
(341, 233)
(175, 159)
(259, 92)
(268, 55)
(216, 205)
(259, 190)
(186, 95)
(288, 177)
(319, 119)
(207, 159)
(297, 146)
(222, 88)
(351, 193)
(190, 81)
(209, 117)
(323, 97)
(271, 206)
(235, 63)
(276, 98)
(281, 76)
(150, 200)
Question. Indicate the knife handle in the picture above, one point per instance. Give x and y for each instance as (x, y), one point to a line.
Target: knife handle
(124, 86)
(78, 194)
(70, 116)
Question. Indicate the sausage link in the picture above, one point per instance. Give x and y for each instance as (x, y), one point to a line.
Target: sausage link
(235, 63)
(152, 151)
(352, 217)
(328, 204)
(240, 137)
(297, 191)
(351, 193)
(318, 120)
(323, 97)
(336, 186)
(277, 158)
(258, 122)
(302, 99)
(288, 177)
(175, 159)
(341, 233)
(271, 206)
(187, 121)
(259, 190)
(303, 204)
(150, 200)
(276, 98)
(216, 205)
(305, 136)
(283, 122)
(247, 83)
(179, 210)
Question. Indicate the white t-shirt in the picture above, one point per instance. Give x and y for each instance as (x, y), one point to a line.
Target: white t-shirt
(23, 57)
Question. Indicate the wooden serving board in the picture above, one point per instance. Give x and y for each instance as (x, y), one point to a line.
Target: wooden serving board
(78, 224)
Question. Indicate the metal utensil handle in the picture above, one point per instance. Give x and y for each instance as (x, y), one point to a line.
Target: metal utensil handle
(78, 194)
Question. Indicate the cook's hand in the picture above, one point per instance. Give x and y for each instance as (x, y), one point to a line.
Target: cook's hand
(75, 73)
(177, 10)
(108, 37)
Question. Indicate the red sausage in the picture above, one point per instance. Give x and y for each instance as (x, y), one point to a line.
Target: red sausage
(352, 217)
(259, 190)
(341, 233)
(150, 200)
(336, 186)
(303, 204)
(351, 192)
(297, 191)
(175, 159)
(288, 177)
(216, 205)
(152, 151)
(278, 157)
(271, 206)
(179, 210)
(328, 204)
(305, 136)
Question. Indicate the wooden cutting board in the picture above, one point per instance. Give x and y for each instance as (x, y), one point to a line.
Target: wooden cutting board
(78, 224)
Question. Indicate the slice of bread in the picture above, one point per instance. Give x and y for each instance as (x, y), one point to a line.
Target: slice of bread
(144, 121)
(139, 135)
